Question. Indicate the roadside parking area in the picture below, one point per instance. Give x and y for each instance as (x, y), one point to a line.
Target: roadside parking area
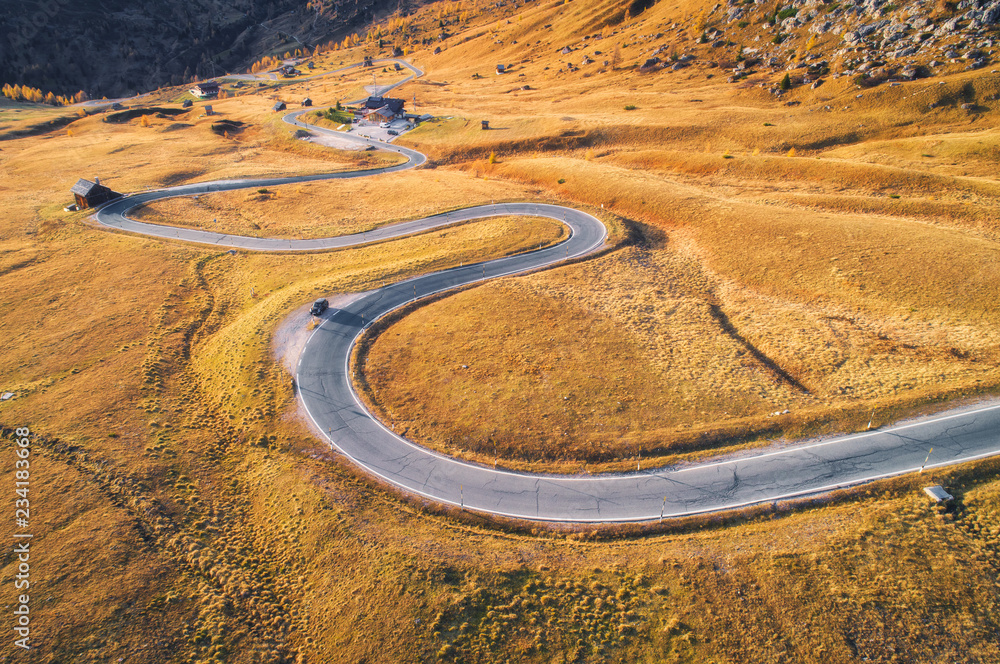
(386, 134)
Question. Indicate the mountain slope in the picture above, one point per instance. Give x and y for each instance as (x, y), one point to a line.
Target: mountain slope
(117, 48)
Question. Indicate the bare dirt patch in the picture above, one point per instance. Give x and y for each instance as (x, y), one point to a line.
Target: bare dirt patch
(331, 141)
(291, 336)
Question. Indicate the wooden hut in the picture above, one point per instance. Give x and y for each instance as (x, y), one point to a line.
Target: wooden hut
(91, 194)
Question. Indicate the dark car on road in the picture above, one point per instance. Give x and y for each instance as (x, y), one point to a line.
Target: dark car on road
(392, 132)
(319, 306)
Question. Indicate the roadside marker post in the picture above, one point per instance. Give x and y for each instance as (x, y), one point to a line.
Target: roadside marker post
(662, 508)
(927, 459)
(461, 496)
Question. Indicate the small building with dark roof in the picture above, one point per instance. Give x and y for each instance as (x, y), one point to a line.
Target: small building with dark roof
(383, 114)
(206, 89)
(307, 102)
(380, 109)
(91, 194)
(280, 106)
(376, 103)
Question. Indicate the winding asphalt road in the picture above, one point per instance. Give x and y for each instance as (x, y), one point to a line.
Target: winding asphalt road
(323, 379)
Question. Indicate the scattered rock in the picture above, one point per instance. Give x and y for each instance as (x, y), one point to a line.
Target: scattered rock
(820, 27)
(947, 27)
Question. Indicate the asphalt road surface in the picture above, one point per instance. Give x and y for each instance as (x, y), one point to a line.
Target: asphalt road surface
(762, 476)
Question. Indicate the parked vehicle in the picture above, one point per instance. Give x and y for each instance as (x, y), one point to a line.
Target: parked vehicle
(384, 125)
(392, 132)
(319, 306)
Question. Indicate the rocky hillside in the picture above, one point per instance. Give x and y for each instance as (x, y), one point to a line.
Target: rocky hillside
(116, 47)
(873, 41)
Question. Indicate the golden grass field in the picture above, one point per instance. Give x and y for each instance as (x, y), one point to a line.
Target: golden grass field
(338, 207)
(184, 512)
(871, 287)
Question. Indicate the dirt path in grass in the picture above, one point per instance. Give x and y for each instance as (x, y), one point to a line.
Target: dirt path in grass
(291, 336)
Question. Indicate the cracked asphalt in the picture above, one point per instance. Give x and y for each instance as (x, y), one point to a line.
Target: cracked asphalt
(324, 386)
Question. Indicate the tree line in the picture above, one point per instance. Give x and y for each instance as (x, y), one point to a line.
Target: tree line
(27, 93)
